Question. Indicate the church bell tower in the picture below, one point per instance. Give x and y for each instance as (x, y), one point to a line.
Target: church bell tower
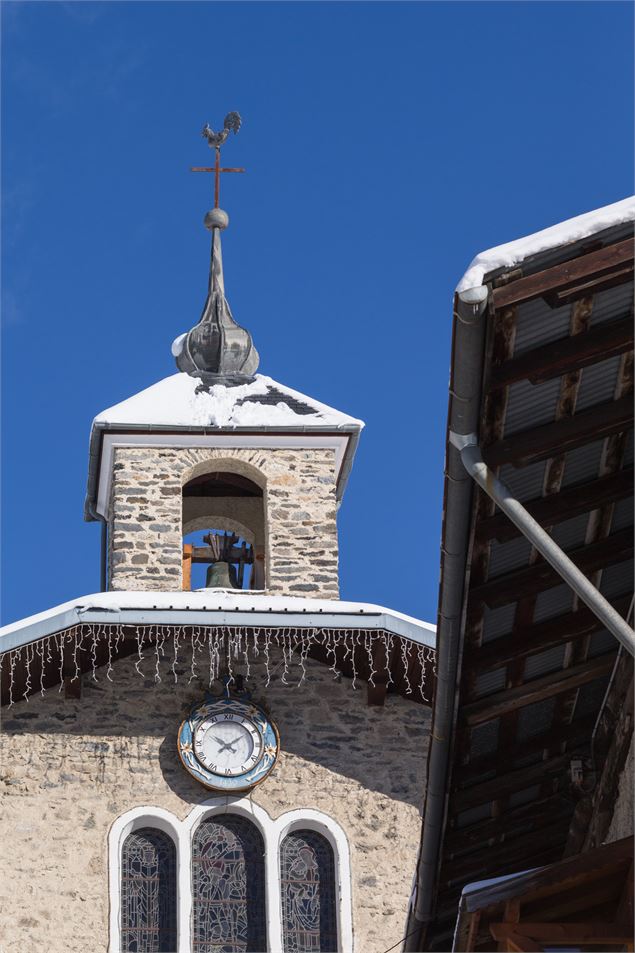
(218, 467)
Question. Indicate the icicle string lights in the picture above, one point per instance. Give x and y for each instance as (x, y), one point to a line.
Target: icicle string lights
(362, 654)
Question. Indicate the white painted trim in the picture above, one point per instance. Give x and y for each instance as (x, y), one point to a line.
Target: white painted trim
(273, 833)
(110, 442)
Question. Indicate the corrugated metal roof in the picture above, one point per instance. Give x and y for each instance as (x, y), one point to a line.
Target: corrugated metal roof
(598, 383)
(484, 738)
(583, 463)
(535, 719)
(545, 662)
(612, 304)
(617, 580)
(537, 324)
(571, 533)
(498, 621)
(507, 556)
(526, 483)
(622, 515)
(590, 697)
(489, 682)
(530, 405)
(600, 643)
(553, 602)
(524, 796)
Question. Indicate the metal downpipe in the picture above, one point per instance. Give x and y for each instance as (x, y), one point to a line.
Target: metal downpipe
(473, 462)
(465, 387)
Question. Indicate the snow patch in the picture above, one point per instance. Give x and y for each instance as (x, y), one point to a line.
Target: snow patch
(564, 233)
(180, 400)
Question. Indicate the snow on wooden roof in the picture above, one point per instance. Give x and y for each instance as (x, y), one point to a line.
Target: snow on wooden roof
(564, 233)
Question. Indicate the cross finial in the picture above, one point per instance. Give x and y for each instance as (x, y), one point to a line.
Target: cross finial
(232, 123)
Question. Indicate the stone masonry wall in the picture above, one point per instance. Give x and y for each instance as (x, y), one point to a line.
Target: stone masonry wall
(622, 820)
(69, 768)
(300, 515)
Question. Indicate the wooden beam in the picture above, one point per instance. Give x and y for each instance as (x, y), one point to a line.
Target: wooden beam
(511, 586)
(544, 441)
(522, 853)
(575, 734)
(561, 506)
(498, 704)
(186, 584)
(586, 934)
(376, 694)
(521, 944)
(504, 825)
(531, 639)
(506, 783)
(569, 354)
(535, 286)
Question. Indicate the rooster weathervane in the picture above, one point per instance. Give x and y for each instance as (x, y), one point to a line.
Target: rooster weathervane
(215, 140)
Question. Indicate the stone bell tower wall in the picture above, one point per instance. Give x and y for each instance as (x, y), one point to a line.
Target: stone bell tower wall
(299, 499)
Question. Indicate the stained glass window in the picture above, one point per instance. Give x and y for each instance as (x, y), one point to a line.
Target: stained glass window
(148, 892)
(228, 887)
(307, 881)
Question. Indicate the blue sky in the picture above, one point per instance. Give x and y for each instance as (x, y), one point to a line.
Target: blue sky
(386, 144)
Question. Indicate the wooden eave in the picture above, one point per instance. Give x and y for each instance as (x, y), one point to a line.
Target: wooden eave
(530, 692)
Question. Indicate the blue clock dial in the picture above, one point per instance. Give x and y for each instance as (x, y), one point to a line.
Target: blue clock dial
(228, 744)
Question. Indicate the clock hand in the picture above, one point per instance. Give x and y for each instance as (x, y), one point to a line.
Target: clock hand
(224, 745)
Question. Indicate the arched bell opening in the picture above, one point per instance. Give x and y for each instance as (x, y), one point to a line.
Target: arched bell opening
(223, 532)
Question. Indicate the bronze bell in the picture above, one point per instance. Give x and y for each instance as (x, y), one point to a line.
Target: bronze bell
(218, 577)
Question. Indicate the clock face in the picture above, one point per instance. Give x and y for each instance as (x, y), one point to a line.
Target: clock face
(228, 744)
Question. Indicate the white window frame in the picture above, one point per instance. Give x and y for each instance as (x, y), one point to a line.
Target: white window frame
(272, 832)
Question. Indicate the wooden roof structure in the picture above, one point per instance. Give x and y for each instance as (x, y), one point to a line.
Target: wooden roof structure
(532, 666)
(582, 903)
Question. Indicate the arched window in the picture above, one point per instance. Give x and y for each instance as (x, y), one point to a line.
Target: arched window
(308, 893)
(148, 892)
(228, 886)
(223, 532)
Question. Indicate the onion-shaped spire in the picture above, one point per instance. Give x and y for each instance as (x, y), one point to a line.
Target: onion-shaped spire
(217, 349)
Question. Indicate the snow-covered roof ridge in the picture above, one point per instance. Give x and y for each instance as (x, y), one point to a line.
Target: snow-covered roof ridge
(572, 230)
(179, 401)
(213, 607)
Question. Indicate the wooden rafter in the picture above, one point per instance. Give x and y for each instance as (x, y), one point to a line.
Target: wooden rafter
(510, 586)
(507, 782)
(542, 442)
(500, 703)
(575, 735)
(585, 934)
(540, 636)
(569, 354)
(561, 506)
(528, 850)
(560, 276)
(485, 832)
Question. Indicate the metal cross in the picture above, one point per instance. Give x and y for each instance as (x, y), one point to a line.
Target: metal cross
(216, 169)
(215, 140)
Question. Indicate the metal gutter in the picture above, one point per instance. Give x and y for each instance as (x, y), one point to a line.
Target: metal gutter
(472, 460)
(463, 415)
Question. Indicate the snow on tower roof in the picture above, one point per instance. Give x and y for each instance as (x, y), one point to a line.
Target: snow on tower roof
(180, 401)
(564, 233)
(181, 411)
